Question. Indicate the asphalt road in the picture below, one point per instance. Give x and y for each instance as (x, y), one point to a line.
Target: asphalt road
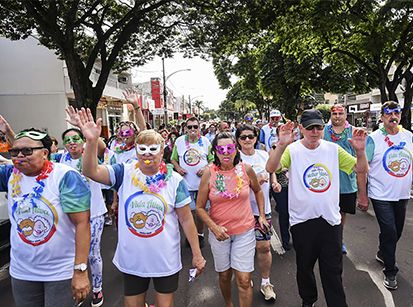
(362, 275)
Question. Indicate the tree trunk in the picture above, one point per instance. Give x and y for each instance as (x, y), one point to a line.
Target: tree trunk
(408, 95)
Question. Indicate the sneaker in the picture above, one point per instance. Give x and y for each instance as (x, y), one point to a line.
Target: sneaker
(201, 240)
(308, 305)
(390, 282)
(344, 249)
(379, 258)
(108, 221)
(97, 299)
(268, 291)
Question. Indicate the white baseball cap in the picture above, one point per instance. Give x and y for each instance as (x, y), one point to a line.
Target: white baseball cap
(275, 113)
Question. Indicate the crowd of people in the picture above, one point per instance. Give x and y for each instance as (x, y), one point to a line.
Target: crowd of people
(212, 180)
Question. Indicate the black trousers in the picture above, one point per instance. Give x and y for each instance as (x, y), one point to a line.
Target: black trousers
(314, 240)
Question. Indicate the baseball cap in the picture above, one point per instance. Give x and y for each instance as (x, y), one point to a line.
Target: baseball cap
(311, 118)
(275, 113)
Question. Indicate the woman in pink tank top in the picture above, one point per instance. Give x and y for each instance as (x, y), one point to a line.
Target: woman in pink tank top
(226, 184)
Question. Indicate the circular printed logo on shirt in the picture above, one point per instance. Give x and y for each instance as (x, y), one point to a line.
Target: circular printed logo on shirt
(36, 219)
(145, 214)
(317, 178)
(397, 161)
(192, 157)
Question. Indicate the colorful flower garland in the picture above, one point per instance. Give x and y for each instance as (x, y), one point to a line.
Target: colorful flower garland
(387, 139)
(200, 144)
(220, 183)
(152, 184)
(37, 189)
(337, 136)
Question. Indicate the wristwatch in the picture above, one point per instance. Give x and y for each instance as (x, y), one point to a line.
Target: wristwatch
(82, 267)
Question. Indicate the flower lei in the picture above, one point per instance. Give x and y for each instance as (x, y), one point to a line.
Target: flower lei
(220, 183)
(387, 139)
(337, 136)
(37, 189)
(121, 147)
(200, 144)
(152, 184)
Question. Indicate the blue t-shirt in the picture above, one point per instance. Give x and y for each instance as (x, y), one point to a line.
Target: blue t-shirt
(348, 183)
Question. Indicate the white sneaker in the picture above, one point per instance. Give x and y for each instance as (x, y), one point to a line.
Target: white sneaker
(268, 291)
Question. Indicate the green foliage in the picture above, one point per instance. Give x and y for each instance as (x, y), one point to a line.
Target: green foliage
(325, 110)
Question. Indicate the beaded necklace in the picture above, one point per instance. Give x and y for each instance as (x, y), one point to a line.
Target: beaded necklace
(337, 136)
(37, 189)
(200, 144)
(152, 184)
(220, 183)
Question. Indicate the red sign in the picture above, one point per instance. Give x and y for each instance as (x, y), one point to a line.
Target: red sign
(156, 92)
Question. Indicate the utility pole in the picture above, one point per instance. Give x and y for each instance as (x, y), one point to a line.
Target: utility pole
(165, 105)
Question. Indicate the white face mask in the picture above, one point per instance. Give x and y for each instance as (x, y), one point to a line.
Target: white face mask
(150, 149)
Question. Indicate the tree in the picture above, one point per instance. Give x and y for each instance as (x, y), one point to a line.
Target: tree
(115, 33)
(374, 36)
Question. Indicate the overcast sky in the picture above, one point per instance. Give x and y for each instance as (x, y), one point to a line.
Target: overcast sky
(199, 82)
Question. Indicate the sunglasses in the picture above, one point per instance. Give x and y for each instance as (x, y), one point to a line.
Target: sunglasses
(150, 149)
(389, 111)
(227, 149)
(126, 133)
(72, 139)
(34, 135)
(26, 151)
(192, 127)
(317, 127)
(249, 136)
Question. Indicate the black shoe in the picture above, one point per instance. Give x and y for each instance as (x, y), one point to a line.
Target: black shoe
(287, 247)
(308, 305)
(390, 282)
(201, 240)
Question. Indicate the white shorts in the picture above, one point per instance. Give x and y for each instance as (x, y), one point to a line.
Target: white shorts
(237, 252)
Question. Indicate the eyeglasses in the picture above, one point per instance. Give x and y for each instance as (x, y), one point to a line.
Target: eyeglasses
(26, 151)
(192, 127)
(150, 149)
(227, 149)
(72, 139)
(249, 136)
(317, 127)
(34, 135)
(337, 113)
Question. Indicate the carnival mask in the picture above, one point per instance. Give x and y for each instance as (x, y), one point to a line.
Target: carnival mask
(226, 149)
(148, 149)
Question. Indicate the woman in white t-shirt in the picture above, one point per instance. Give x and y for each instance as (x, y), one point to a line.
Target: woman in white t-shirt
(153, 200)
(247, 137)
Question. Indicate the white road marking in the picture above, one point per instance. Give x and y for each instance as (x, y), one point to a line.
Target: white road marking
(377, 278)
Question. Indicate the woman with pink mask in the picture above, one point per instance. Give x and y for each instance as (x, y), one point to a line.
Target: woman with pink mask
(226, 184)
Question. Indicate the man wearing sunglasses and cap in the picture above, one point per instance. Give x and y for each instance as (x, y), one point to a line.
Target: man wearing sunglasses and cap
(313, 202)
(190, 155)
(389, 151)
(268, 133)
(48, 206)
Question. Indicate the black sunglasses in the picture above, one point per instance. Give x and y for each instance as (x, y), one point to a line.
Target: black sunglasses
(244, 137)
(318, 127)
(26, 151)
(192, 127)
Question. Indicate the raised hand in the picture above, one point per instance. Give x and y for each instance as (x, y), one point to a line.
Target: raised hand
(4, 125)
(358, 141)
(132, 97)
(90, 129)
(73, 116)
(285, 133)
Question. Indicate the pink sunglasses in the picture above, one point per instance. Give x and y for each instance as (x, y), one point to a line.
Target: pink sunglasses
(126, 133)
(227, 149)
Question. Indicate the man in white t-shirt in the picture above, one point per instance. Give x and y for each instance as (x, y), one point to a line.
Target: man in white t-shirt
(268, 133)
(389, 151)
(190, 155)
(313, 202)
